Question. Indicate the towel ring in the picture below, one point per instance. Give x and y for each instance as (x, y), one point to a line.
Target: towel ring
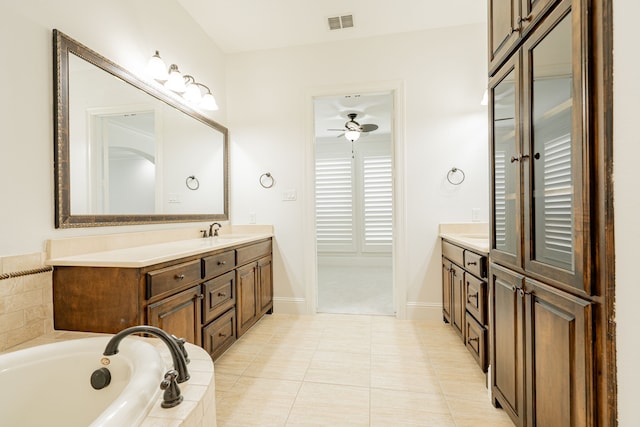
(266, 180)
(192, 182)
(455, 176)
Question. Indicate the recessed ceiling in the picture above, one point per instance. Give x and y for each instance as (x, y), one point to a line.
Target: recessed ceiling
(248, 25)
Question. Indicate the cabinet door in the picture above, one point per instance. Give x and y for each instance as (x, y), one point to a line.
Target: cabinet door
(458, 300)
(556, 184)
(446, 290)
(179, 315)
(531, 11)
(507, 341)
(559, 359)
(504, 116)
(503, 30)
(247, 308)
(265, 284)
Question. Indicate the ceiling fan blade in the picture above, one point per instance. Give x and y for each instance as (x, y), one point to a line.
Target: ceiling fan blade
(368, 127)
(337, 130)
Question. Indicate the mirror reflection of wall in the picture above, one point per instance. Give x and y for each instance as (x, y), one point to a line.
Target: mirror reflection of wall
(130, 153)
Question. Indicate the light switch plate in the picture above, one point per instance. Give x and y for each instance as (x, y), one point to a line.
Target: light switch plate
(289, 195)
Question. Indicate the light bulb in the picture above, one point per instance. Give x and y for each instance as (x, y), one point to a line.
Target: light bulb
(192, 94)
(175, 82)
(156, 68)
(208, 102)
(352, 135)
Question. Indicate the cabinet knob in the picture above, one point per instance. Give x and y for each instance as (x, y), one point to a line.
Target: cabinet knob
(222, 294)
(222, 262)
(200, 296)
(179, 277)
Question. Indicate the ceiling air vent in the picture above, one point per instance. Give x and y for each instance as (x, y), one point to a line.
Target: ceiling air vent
(339, 22)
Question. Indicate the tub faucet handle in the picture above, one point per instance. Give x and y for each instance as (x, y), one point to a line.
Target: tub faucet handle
(172, 396)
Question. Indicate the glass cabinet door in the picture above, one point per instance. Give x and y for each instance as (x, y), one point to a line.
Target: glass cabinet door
(552, 152)
(505, 169)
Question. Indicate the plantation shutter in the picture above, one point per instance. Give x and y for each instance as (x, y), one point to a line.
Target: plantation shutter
(377, 202)
(334, 204)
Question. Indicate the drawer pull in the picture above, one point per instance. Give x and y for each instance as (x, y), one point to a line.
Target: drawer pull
(222, 294)
(221, 335)
(473, 296)
(472, 263)
(179, 277)
(471, 340)
(222, 262)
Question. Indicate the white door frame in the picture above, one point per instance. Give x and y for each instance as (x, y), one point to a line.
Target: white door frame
(399, 252)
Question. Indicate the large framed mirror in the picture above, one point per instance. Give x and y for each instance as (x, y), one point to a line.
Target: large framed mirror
(129, 152)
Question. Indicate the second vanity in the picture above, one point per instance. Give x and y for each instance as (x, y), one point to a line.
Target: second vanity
(207, 290)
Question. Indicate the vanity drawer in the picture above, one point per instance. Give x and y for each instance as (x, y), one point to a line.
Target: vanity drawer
(218, 335)
(219, 296)
(476, 342)
(476, 264)
(215, 265)
(170, 278)
(476, 292)
(453, 253)
(253, 252)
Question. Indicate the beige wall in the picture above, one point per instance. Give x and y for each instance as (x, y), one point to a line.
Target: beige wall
(125, 31)
(626, 148)
(442, 125)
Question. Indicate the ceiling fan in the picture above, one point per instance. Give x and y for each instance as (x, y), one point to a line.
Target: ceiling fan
(352, 129)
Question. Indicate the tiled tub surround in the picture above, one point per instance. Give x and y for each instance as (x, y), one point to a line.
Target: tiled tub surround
(26, 301)
(198, 408)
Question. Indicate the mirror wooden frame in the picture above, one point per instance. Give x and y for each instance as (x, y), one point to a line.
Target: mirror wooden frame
(63, 46)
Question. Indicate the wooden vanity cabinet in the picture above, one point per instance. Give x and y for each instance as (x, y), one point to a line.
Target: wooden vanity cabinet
(179, 314)
(255, 284)
(205, 299)
(464, 297)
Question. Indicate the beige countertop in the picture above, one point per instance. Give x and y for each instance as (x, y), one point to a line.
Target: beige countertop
(474, 236)
(145, 255)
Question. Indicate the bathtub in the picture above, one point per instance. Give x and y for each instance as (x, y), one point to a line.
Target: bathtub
(49, 385)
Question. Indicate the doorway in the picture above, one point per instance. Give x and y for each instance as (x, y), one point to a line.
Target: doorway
(354, 203)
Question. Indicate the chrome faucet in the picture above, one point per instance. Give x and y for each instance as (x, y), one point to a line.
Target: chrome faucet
(176, 347)
(213, 232)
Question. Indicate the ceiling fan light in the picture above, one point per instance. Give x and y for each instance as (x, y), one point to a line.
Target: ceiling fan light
(352, 135)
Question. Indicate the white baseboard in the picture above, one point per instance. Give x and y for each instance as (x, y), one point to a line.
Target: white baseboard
(424, 311)
(282, 305)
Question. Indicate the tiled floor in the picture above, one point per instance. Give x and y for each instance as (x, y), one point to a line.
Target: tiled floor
(351, 370)
(355, 289)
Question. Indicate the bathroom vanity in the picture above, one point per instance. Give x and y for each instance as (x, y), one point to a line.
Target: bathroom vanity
(464, 285)
(208, 291)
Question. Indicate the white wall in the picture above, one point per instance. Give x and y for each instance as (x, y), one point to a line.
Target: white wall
(125, 31)
(270, 94)
(627, 205)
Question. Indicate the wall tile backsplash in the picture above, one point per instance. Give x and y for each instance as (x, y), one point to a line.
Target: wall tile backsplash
(26, 299)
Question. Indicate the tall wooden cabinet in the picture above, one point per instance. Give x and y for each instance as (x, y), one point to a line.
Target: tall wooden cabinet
(543, 295)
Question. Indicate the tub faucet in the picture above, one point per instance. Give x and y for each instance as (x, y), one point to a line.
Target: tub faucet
(213, 232)
(176, 347)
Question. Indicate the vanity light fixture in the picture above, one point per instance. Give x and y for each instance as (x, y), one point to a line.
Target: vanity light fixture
(183, 85)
